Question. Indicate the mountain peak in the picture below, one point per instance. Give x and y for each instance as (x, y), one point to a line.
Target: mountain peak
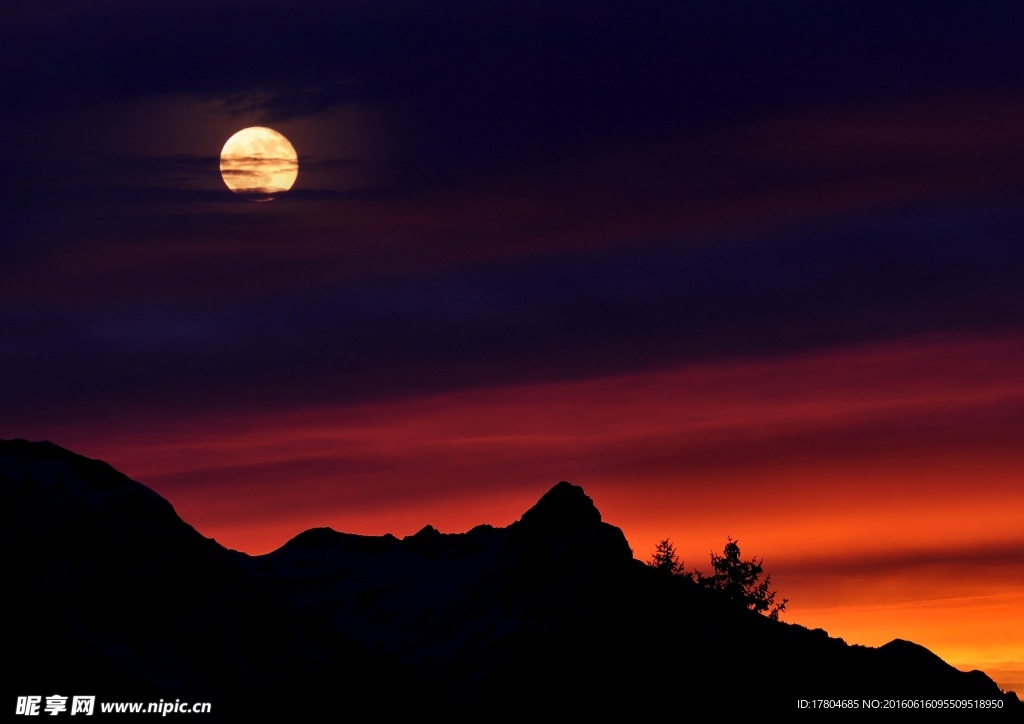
(566, 520)
(565, 506)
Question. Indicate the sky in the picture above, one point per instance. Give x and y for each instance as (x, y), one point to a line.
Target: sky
(747, 269)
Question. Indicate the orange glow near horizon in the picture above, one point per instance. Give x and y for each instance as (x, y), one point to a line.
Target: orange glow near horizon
(872, 479)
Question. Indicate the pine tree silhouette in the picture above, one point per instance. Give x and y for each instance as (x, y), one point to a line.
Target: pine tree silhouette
(738, 580)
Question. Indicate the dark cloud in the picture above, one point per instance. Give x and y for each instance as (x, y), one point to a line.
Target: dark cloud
(561, 317)
(284, 105)
(963, 563)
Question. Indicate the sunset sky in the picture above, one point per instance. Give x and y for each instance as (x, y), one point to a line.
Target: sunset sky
(748, 269)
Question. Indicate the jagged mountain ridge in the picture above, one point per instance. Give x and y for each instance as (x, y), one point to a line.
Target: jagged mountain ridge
(436, 598)
(115, 596)
(552, 608)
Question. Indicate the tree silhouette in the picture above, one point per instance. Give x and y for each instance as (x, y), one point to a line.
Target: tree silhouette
(665, 560)
(738, 580)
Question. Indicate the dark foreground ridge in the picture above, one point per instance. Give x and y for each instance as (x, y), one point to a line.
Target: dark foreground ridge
(111, 594)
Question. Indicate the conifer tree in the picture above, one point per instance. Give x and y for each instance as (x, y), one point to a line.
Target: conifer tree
(739, 581)
(666, 560)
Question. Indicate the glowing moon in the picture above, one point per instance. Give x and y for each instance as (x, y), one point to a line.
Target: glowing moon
(259, 163)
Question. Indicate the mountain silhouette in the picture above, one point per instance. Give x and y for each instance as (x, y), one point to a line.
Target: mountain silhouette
(112, 594)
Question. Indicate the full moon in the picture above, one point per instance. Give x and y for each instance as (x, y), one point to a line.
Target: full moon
(259, 163)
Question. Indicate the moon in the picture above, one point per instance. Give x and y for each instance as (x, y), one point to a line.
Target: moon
(259, 163)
